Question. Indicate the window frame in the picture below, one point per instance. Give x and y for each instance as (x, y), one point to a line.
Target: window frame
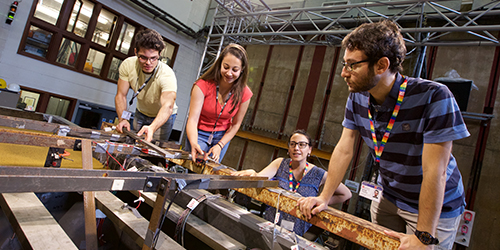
(59, 32)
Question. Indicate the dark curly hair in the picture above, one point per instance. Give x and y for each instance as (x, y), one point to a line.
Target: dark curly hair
(149, 39)
(377, 40)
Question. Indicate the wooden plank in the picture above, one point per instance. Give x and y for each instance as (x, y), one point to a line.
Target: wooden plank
(129, 223)
(203, 231)
(89, 201)
(343, 224)
(33, 224)
(278, 143)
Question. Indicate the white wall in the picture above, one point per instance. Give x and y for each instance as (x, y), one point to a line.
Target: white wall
(190, 12)
(15, 68)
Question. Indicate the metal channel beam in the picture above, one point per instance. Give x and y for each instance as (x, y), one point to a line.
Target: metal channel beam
(347, 226)
(43, 126)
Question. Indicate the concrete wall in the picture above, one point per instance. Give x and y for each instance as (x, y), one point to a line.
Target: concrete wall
(473, 63)
(15, 68)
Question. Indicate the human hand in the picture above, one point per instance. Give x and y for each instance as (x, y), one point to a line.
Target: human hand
(195, 150)
(408, 241)
(148, 131)
(310, 206)
(214, 152)
(123, 124)
(247, 172)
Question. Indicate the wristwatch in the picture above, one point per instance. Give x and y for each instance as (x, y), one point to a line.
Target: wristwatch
(426, 238)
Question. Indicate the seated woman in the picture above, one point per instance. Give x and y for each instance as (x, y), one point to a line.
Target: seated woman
(297, 175)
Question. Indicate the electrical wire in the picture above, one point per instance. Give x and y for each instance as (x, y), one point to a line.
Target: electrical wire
(157, 234)
(275, 220)
(105, 149)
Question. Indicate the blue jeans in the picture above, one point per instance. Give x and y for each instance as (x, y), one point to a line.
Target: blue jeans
(203, 142)
(163, 133)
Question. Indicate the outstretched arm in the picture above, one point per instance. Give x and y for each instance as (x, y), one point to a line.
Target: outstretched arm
(195, 106)
(269, 171)
(121, 104)
(435, 159)
(339, 161)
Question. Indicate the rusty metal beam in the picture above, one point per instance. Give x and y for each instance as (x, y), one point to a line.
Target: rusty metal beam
(43, 126)
(36, 139)
(345, 225)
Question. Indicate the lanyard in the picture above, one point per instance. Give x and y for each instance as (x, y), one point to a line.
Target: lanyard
(222, 109)
(290, 177)
(378, 150)
(143, 85)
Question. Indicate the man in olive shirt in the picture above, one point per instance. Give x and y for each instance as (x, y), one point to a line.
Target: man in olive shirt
(154, 85)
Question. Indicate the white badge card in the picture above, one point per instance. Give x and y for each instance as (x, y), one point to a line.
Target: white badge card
(210, 138)
(371, 191)
(126, 115)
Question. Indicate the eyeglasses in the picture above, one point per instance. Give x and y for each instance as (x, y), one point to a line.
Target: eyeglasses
(348, 66)
(302, 144)
(145, 58)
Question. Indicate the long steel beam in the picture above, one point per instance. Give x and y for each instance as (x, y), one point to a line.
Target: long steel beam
(347, 226)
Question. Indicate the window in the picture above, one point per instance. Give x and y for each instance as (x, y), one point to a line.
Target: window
(84, 36)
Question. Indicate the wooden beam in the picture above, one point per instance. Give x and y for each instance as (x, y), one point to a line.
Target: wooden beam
(33, 224)
(89, 201)
(129, 223)
(278, 143)
(200, 229)
(345, 225)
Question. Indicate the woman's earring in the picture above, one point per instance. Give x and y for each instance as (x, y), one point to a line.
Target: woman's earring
(308, 154)
(287, 153)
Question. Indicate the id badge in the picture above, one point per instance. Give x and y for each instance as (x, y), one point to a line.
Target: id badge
(126, 115)
(210, 138)
(371, 191)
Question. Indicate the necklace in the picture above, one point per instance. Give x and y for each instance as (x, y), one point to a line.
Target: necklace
(290, 178)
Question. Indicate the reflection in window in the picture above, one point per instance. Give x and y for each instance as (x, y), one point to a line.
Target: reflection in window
(57, 106)
(30, 98)
(68, 52)
(113, 73)
(94, 61)
(105, 27)
(125, 38)
(167, 53)
(80, 17)
(48, 10)
(37, 42)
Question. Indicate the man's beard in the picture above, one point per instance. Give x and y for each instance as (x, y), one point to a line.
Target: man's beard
(365, 83)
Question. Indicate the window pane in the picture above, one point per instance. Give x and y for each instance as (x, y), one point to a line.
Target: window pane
(48, 10)
(80, 17)
(68, 52)
(113, 73)
(57, 106)
(94, 62)
(167, 53)
(37, 42)
(104, 28)
(125, 38)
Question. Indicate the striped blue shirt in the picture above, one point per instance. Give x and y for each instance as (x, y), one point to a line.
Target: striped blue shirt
(428, 114)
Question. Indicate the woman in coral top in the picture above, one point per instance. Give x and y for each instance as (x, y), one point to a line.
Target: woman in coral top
(219, 101)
